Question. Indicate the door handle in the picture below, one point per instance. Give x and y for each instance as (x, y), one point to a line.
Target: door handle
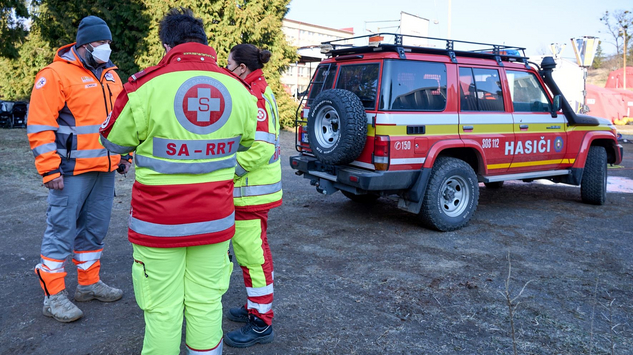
(468, 128)
(524, 126)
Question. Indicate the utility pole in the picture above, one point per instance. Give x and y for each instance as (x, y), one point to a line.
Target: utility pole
(449, 20)
(624, 55)
(585, 50)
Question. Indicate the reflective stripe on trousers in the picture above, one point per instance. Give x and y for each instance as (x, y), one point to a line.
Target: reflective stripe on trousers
(260, 291)
(49, 265)
(85, 259)
(215, 351)
(261, 308)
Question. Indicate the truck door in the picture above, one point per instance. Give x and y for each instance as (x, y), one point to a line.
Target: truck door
(483, 117)
(541, 139)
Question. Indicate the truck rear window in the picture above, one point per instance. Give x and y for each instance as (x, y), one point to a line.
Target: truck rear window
(323, 79)
(362, 80)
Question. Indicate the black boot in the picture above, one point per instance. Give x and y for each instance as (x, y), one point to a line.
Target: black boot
(239, 315)
(255, 331)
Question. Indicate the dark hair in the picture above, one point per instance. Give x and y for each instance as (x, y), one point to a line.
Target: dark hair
(180, 26)
(253, 57)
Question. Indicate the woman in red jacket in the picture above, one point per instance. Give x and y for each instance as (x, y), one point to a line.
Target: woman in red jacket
(257, 190)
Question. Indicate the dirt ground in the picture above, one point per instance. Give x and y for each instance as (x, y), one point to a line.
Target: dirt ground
(356, 279)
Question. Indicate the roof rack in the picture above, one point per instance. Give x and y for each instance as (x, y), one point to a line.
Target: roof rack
(403, 43)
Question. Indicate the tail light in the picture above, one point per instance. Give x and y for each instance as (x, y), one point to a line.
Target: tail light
(381, 152)
(302, 132)
(302, 137)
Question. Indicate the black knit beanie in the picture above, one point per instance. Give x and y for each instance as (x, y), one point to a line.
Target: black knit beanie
(92, 29)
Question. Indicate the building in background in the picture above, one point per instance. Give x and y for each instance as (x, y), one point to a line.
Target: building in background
(307, 38)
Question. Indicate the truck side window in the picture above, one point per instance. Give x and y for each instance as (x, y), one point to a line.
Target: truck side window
(362, 80)
(413, 86)
(480, 90)
(527, 93)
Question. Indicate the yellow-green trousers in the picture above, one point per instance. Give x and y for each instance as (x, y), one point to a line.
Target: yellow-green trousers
(170, 282)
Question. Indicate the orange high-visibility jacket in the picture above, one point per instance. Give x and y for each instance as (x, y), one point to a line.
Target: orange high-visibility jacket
(68, 105)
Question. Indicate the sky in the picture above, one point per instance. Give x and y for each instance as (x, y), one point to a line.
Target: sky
(533, 24)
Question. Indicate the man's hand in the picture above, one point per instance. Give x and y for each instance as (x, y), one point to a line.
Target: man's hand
(56, 184)
(126, 166)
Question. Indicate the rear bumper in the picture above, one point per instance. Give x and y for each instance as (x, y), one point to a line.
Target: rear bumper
(363, 179)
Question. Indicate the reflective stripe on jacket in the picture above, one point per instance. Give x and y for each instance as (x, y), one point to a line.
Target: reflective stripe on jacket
(186, 120)
(68, 105)
(258, 173)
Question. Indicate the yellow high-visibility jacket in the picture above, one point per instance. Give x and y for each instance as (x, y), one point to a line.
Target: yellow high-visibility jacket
(258, 173)
(186, 119)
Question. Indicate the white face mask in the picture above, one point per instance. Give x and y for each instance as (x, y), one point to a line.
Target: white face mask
(101, 53)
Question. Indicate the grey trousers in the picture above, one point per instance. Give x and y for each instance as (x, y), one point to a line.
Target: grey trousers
(78, 216)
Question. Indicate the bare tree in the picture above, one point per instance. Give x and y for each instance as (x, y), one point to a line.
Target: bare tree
(619, 23)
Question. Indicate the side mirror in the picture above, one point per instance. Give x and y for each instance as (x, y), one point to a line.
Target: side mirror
(555, 106)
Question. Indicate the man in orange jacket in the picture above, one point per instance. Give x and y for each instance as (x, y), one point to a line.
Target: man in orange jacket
(71, 98)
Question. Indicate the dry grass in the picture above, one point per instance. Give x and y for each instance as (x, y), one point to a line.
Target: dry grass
(598, 77)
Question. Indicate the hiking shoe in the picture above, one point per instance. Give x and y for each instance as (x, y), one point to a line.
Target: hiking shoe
(239, 315)
(99, 291)
(255, 331)
(60, 308)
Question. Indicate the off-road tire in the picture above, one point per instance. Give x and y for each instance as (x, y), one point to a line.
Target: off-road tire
(452, 195)
(593, 186)
(337, 127)
(494, 185)
(363, 199)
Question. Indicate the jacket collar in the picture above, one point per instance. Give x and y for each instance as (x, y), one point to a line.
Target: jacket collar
(190, 51)
(68, 54)
(254, 75)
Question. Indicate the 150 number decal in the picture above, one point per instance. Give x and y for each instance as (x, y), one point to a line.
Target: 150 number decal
(490, 143)
(404, 145)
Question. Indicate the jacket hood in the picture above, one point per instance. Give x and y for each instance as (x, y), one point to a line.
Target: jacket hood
(67, 54)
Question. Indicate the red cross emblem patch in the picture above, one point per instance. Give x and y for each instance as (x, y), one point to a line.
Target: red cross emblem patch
(202, 105)
(261, 115)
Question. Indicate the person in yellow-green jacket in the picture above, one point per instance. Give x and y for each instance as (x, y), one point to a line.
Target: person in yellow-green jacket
(186, 119)
(257, 190)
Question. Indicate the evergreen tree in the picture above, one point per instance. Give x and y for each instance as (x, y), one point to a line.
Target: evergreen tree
(599, 57)
(13, 13)
(59, 19)
(228, 23)
(134, 26)
(17, 75)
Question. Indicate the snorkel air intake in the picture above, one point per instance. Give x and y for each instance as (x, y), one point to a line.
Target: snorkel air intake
(547, 67)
